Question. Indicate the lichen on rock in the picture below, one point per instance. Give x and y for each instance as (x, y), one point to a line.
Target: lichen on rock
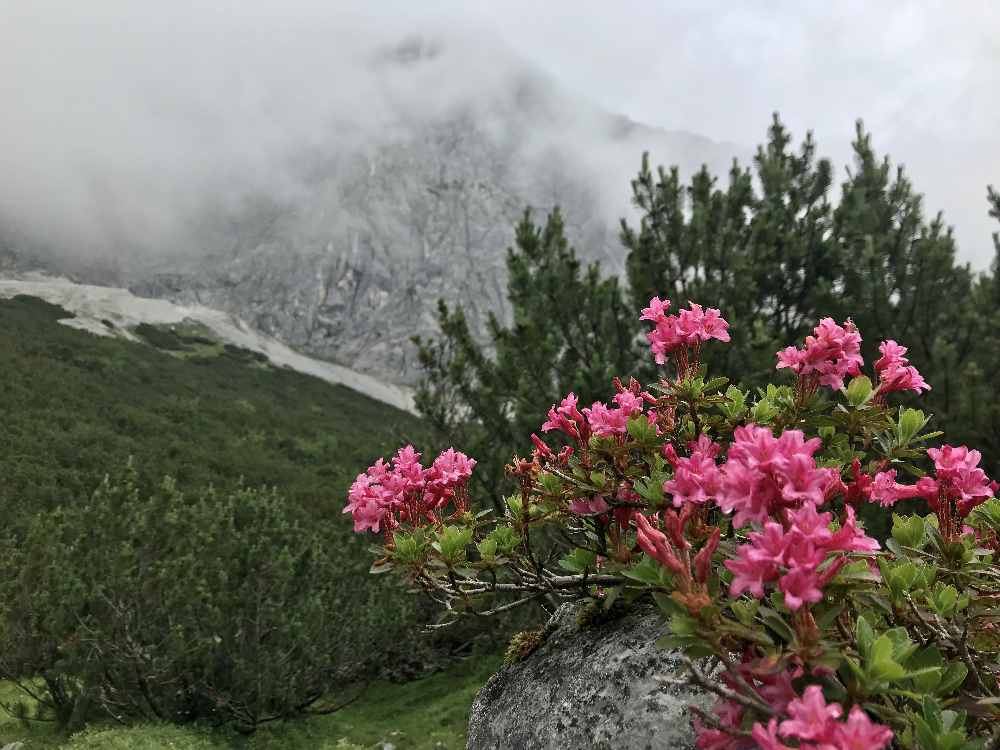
(603, 686)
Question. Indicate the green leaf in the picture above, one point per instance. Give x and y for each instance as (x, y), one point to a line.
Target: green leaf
(647, 571)
(859, 391)
(641, 430)
(865, 636)
(952, 678)
(911, 422)
(579, 561)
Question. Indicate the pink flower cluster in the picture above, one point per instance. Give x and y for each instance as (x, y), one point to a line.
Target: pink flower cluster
(763, 474)
(795, 555)
(567, 419)
(607, 422)
(686, 329)
(957, 477)
(829, 355)
(599, 419)
(814, 724)
(895, 372)
(384, 496)
(697, 478)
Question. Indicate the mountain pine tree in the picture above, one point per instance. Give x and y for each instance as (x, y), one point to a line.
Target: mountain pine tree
(899, 277)
(571, 330)
(772, 251)
(760, 249)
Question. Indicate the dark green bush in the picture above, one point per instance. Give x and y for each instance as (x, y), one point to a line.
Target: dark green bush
(232, 607)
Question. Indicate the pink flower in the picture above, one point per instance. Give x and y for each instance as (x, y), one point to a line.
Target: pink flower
(796, 557)
(656, 311)
(383, 497)
(850, 538)
(829, 355)
(630, 403)
(567, 419)
(698, 324)
(895, 372)
(365, 504)
(767, 737)
(811, 717)
(801, 586)
(752, 568)
(790, 357)
(696, 479)
(451, 466)
(893, 355)
(592, 506)
(763, 474)
(686, 329)
(606, 422)
(959, 476)
(449, 471)
(664, 339)
(861, 733)
(886, 491)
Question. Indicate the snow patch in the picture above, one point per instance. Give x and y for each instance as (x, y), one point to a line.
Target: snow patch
(93, 305)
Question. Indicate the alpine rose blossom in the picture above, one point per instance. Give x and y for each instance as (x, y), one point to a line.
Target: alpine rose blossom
(813, 724)
(383, 497)
(567, 419)
(832, 353)
(686, 329)
(895, 372)
(957, 477)
(606, 422)
(763, 474)
(697, 478)
(795, 557)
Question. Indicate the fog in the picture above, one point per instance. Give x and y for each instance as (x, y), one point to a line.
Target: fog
(124, 123)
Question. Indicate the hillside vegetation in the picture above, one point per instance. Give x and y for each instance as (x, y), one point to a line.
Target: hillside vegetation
(76, 406)
(426, 714)
(85, 558)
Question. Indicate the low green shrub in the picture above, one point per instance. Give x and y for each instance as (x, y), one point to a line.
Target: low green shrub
(165, 606)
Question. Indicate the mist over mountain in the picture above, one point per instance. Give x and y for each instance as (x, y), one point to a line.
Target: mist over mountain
(338, 234)
(323, 172)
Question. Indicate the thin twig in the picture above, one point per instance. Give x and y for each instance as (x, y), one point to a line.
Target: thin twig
(724, 692)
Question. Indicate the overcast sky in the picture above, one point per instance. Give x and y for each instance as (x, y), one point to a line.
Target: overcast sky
(142, 93)
(923, 75)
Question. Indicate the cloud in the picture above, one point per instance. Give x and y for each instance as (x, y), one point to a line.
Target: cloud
(124, 122)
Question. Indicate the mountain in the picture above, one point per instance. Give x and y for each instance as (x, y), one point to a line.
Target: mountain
(378, 219)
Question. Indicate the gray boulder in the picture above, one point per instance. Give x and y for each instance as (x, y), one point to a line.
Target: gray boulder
(594, 687)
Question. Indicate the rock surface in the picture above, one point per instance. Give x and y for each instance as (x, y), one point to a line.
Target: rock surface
(589, 687)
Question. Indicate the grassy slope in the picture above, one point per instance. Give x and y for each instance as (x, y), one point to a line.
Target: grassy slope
(426, 714)
(74, 405)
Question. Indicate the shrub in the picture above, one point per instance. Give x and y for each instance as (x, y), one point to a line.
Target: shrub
(740, 515)
(170, 607)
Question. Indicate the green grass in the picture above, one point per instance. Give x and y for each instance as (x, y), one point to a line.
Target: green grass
(426, 714)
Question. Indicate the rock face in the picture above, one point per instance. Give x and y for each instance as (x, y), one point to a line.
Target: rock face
(589, 688)
(345, 257)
